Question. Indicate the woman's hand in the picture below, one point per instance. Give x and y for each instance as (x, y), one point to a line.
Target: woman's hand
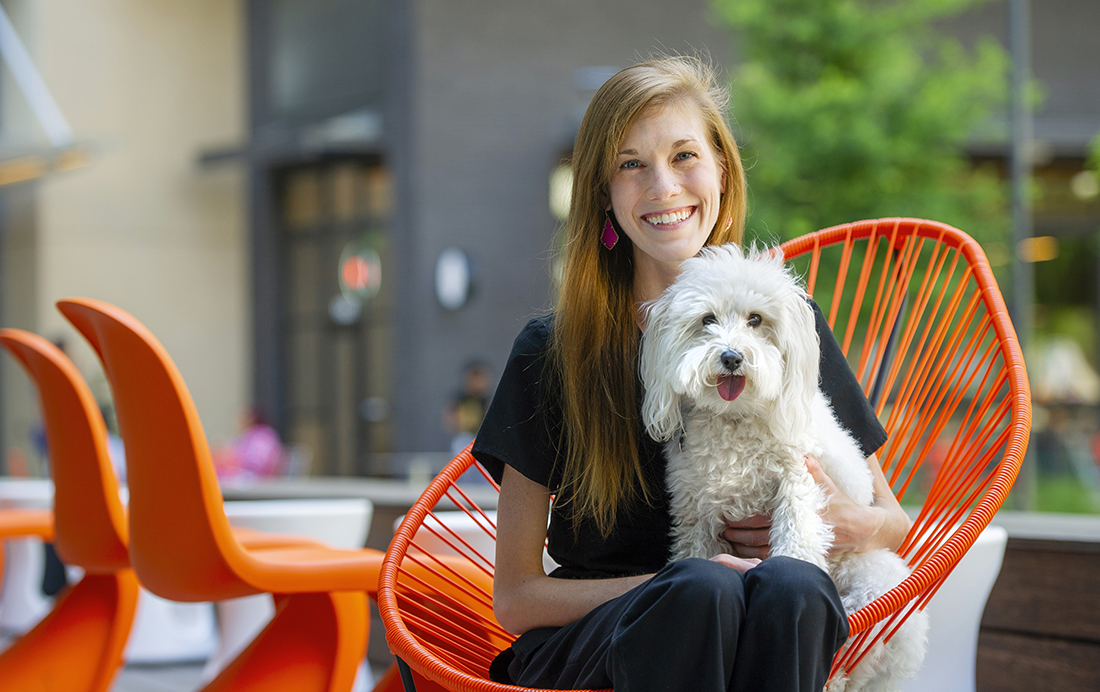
(742, 565)
(858, 528)
(749, 537)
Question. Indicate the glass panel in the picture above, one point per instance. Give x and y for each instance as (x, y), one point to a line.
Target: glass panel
(325, 56)
(302, 201)
(376, 192)
(304, 358)
(304, 281)
(343, 192)
(307, 439)
(345, 411)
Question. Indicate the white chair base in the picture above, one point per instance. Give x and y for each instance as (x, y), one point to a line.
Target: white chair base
(955, 615)
(22, 603)
(169, 632)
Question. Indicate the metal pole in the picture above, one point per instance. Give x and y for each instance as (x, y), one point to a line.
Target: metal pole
(33, 86)
(1023, 279)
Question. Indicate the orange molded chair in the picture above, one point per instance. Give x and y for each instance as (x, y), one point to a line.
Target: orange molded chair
(181, 544)
(916, 309)
(17, 522)
(79, 644)
(77, 443)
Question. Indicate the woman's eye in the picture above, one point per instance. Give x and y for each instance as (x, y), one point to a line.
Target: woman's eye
(755, 320)
(633, 163)
(709, 320)
(684, 155)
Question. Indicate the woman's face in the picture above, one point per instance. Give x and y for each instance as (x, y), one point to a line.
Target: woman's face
(666, 187)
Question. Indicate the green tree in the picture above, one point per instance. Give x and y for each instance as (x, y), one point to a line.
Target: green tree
(855, 109)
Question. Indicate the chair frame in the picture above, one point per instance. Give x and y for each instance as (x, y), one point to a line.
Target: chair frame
(924, 278)
(946, 528)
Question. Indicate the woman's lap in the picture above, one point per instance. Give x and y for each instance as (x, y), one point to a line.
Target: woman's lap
(687, 626)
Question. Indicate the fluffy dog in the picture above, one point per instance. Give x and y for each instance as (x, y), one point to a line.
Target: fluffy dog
(730, 362)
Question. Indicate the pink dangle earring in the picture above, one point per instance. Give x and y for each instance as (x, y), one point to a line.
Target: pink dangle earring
(610, 236)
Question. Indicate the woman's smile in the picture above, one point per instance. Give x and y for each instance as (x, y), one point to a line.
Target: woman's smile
(669, 219)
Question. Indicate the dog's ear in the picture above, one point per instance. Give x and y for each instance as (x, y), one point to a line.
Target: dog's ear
(661, 404)
(801, 350)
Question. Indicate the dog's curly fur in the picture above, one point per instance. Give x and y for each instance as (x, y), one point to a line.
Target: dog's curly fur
(731, 320)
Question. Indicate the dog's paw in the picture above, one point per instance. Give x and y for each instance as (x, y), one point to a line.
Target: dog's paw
(837, 683)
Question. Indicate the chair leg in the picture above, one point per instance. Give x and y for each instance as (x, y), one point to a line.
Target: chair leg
(78, 646)
(390, 680)
(313, 644)
(413, 681)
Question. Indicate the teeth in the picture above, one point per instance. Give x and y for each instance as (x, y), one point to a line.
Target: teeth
(667, 219)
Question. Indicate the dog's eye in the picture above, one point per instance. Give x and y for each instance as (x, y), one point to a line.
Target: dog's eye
(709, 320)
(755, 320)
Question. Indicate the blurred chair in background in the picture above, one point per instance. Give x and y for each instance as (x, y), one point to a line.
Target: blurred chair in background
(78, 646)
(181, 542)
(163, 631)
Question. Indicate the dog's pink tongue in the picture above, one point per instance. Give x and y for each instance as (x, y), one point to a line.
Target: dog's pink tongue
(730, 386)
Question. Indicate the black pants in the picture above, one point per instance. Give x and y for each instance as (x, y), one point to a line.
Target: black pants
(699, 626)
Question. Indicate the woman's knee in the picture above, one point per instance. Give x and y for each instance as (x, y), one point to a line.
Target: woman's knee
(702, 584)
(693, 608)
(786, 583)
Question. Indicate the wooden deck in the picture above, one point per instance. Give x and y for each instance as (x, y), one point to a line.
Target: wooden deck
(1041, 626)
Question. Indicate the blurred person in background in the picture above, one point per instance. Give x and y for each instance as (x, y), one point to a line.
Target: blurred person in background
(257, 452)
(467, 407)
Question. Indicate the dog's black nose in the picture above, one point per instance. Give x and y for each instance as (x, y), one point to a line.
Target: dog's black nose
(731, 360)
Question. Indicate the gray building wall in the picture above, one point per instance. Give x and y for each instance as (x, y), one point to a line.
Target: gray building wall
(494, 108)
(1065, 63)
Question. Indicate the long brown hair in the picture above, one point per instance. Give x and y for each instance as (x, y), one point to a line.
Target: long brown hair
(594, 343)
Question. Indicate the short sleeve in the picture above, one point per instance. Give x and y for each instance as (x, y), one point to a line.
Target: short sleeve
(843, 391)
(523, 423)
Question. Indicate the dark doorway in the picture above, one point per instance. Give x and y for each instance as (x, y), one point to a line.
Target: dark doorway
(336, 311)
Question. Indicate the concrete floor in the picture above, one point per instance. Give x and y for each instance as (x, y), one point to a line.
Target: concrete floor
(149, 678)
(176, 677)
(162, 678)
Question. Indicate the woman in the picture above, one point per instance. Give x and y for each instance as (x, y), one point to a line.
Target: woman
(656, 177)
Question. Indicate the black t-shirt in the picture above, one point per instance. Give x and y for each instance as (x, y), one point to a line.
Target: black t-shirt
(523, 429)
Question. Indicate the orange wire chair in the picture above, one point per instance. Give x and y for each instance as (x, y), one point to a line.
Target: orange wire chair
(918, 313)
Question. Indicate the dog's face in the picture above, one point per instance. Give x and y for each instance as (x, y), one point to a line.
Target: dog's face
(733, 335)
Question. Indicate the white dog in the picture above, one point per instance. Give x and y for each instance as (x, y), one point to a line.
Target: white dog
(730, 362)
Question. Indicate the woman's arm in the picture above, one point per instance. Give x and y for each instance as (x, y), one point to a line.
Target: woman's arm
(523, 596)
(856, 528)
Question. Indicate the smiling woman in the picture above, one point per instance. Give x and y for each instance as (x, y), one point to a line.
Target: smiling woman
(657, 177)
(665, 192)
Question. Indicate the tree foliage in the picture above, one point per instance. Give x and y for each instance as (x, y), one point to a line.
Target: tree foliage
(855, 109)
